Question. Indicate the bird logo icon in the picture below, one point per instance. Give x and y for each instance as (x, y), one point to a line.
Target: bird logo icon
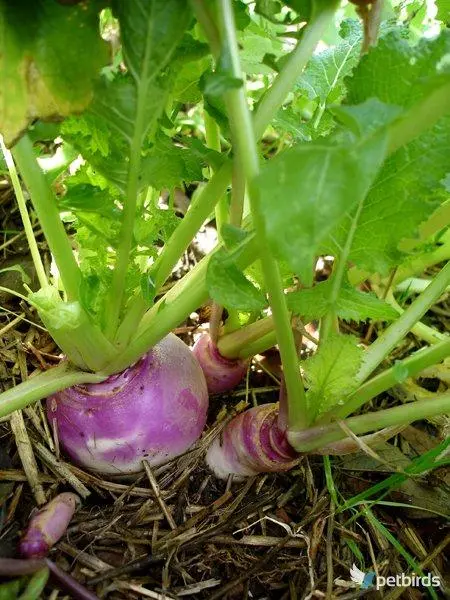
(364, 580)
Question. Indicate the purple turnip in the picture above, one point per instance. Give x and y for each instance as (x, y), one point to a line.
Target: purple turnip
(154, 410)
(251, 443)
(48, 525)
(221, 374)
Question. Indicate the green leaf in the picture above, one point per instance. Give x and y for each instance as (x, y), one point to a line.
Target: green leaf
(405, 193)
(306, 190)
(397, 72)
(368, 117)
(330, 373)
(255, 42)
(206, 156)
(186, 86)
(351, 304)
(92, 291)
(232, 236)
(443, 13)
(168, 165)
(56, 313)
(269, 9)
(150, 32)
(126, 108)
(355, 305)
(49, 56)
(289, 121)
(85, 197)
(410, 184)
(303, 8)
(241, 16)
(217, 83)
(229, 287)
(323, 78)
(116, 104)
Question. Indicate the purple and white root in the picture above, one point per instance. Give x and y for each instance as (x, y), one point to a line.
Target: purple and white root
(251, 443)
(154, 411)
(48, 525)
(221, 374)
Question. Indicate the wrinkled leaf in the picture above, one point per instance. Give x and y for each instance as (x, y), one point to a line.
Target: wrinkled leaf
(323, 78)
(229, 287)
(307, 190)
(330, 373)
(351, 304)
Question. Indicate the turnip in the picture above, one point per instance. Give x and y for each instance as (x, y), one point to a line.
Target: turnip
(48, 525)
(251, 443)
(154, 410)
(221, 374)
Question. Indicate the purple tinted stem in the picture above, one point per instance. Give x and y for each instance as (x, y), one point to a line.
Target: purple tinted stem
(68, 583)
(16, 567)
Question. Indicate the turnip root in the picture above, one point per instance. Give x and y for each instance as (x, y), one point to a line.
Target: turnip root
(154, 410)
(48, 525)
(251, 443)
(221, 374)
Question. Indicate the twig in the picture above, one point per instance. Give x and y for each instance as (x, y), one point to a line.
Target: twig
(159, 498)
(330, 574)
(61, 469)
(27, 457)
(135, 565)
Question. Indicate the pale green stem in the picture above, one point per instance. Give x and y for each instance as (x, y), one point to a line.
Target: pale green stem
(340, 267)
(387, 341)
(260, 345)
(231, 344)
(282, 85)
(212, 132)
(128, 326)
(183, 298)
(34, 250)
(200, 208)
(409, 367)
(246, 151)
(317, 437)
(44, 204)
(43, 385)
(420, 330)
(117, 289)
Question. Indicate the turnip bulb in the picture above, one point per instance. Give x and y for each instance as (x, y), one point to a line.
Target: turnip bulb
(251, 443)
(221, 374)
(154, 410)
(48, 525)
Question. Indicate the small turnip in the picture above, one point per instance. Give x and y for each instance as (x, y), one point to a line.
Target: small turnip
(251, 443)
(48, 525)
(221, 374)
(154, 410)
